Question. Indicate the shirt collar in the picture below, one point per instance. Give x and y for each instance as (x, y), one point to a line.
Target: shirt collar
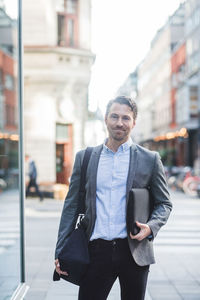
(123, 147)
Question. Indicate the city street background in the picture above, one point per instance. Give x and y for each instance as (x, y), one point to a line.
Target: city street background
(52, 104)
(175, 276)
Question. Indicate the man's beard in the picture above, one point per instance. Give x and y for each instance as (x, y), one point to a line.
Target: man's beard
(118, 137)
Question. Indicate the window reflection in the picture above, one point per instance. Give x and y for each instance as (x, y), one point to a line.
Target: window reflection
(9, 165)
(8, 103)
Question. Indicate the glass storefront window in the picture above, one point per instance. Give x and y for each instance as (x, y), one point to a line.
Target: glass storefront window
(62, 132)
(71, 6)
(66, 22)
(10, 233)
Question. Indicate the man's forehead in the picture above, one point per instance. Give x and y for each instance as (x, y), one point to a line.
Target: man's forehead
(120, 108)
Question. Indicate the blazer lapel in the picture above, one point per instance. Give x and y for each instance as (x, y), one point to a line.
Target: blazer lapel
(132, 170)
(92, 173)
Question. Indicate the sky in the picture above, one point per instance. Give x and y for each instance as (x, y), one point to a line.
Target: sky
(11, 7)
(122, 31)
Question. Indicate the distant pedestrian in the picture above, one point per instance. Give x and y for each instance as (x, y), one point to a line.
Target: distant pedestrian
(32, 174)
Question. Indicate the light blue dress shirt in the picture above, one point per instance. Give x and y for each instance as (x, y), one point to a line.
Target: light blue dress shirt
(112, 176)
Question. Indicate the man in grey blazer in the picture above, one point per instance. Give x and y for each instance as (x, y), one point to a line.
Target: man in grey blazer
(114, 168)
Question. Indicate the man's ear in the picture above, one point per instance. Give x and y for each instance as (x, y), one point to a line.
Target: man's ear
(105, 119)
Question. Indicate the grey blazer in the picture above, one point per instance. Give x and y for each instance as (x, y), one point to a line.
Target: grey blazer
(145, 170)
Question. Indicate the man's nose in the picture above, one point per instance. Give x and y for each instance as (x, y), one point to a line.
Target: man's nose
(119, 122)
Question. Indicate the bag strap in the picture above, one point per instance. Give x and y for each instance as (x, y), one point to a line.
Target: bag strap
(82, 191)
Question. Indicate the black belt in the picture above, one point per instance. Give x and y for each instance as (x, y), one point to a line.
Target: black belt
(114, 242)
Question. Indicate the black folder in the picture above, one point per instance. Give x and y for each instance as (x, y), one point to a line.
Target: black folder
(138, 208)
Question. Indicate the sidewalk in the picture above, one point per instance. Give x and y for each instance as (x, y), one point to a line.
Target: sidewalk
(176, 275)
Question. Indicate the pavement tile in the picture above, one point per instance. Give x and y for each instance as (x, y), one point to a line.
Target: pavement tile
(193, 288)
(41, 284)
(156, 272)
(115, 291)
(190, 297)
(36, 295)
(163, 290)
(59, 297)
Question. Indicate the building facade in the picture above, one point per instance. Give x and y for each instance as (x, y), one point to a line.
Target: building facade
(191, 88)
(154, 88)
(57, 67)
(129, 87)
(168, 89)
(185, 68)
(178, 106)
(54, 76)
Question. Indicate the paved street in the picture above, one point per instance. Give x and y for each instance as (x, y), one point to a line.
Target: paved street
(177, 272)
(176, 275)
(9, 243)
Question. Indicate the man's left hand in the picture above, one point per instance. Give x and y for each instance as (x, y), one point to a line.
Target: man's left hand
(143, 233)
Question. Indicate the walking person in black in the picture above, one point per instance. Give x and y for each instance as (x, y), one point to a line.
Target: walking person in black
(32, 173)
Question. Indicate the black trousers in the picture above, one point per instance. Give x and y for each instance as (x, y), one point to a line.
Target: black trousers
(111, 260)
(33, 183)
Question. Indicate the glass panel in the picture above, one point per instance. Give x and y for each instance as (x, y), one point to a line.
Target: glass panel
(9, 164)
(61, 30)
(67, 6)
(59, 158)
(60, 5)
(70, 25)
(71, 6)
(194, 101)
(61, 132)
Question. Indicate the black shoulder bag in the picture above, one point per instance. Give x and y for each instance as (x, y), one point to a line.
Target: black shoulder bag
(74, 256)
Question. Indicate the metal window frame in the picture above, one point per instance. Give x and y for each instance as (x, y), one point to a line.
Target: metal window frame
(21, 143)
(22, 288)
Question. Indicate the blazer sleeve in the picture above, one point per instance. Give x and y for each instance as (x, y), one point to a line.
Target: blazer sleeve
(70, 208)
(162, 205)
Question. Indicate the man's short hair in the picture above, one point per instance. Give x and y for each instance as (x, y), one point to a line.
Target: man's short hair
(123, 100)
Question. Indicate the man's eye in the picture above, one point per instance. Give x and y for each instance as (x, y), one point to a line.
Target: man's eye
(125, 118)
(114, 117)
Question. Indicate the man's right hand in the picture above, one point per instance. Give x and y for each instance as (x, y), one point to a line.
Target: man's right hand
(58, 270)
